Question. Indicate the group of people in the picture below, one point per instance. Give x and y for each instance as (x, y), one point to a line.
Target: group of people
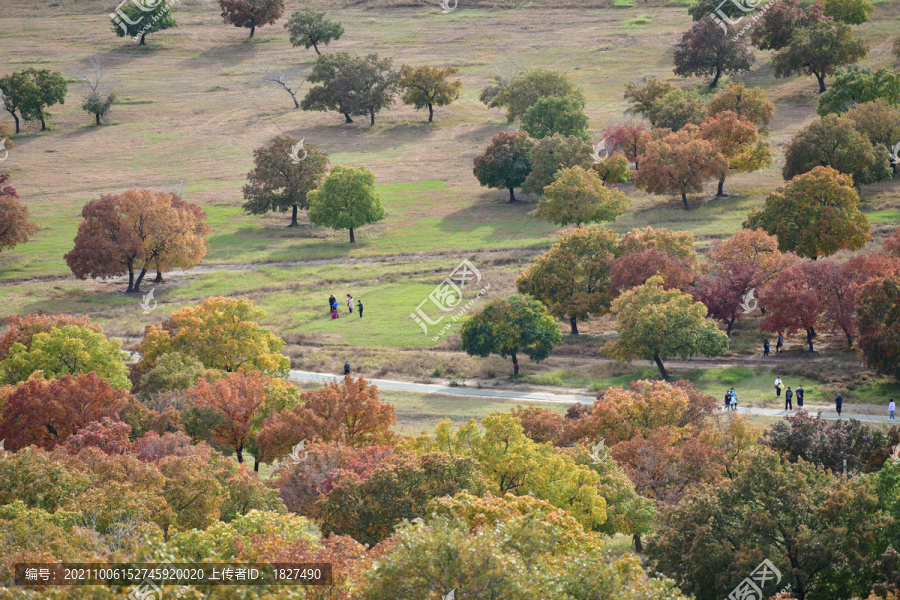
(779, 345)
(333, 306)
(789, 395)
(731, 400)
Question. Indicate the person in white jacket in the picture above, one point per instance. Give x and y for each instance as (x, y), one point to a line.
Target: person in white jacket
(778, 386)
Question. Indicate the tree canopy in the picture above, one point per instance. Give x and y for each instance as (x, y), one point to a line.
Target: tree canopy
(706, 49)
(427, 87)
(135, 19)
(855, 85)
(15, 226)
(551, 115)
(309, 28)
(749, 102)
(738, 141)
(251, 13)
(578, 196)
(525, 90)
(553, 154)
(346, 199)
(506, 163)
(819, 50)
(878, 312)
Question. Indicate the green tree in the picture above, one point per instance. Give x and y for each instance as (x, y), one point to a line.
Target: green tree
(878, 316)
(67, 350)
(879, 122)
(309, 28)
(506, 163)
(657, 324)
(18, 91)
(135, 19)
(548, 116)
(833, 141)
(818, 530)
(52, 90)
(855, 85)
(527, 89)
(507, 326)
(613, 168)
(577, 195)
(677, 109)
(328, 95)
(172, 373)
(282, 177)
(642, 97)
(427, 87)
(552, 154)
(346, 200)
(815, 214)
(852, 12)
(819, 50)
(572, 278)
(371, 83)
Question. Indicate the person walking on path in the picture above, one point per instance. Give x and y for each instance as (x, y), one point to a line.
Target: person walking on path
(727, 399)
(359, 306)
(838, 403)
(350, 303)
(733, 399)
(331, 303)
(766, 348)
(778, 386)
(788, 396)
(780, 344)
(891, 408)
(347, 368)
(799, 392)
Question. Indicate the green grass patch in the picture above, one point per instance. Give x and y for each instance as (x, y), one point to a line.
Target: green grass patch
(623, 3)
(884, 216)
(639, 20)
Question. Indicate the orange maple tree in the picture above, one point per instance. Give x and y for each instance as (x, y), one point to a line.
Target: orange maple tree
(15, 228)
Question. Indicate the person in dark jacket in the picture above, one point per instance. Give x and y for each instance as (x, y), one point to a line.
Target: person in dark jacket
(838, 403)
(359, 306)
(331, 303)
(780, 344)
(347, 368)
(766, 347)
(788, 396)
(799, 392)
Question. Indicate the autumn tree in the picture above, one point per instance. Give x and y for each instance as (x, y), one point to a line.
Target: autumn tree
(15, 228)
(346, 199)
(750, 247)
(679, 163)
(628, 138)
(677, 109)
(563, 115)
(236, 398)
(427, 87)
(309, 28)
(677, 243)
(792, 303)
(508, 326)
(572, 278)
(95, 102)
(738, 141)
(110, 435)
(578, 196)
(749, 102)
(891, 245)
(878, 315)
(815, 214)
(656, 324)
(642, 97)
(370, 506)
(331, 93)
(222, 333)
(135, 19)
(21, 329)
(45, 413)
(819, 50)
(347, 412)
(852, 12)
(613, 168)
(553, 154)
(780, 21)
(879, 123)
(706, 49)
(855, 85)
(67, 350)
(632, 269)
(525, 90)
(723, 292)
(281, 182)
(371, 82)
(137, 231)
(251, 13)
(506, 163)
(833, 141)
(819, 531)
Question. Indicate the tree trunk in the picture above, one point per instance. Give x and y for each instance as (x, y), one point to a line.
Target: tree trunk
(512, 196)
(716, 78)
(352, 239)
(821, 79)
(730, 325)
(252, 30)
(515, 364)
(137, 283)
(97, 115)
(316, 48)
(347, 118)
(159, 277)
(721, 191)
(256, 464)
(574, 323)
(684, 199)
(294, 217)
(43, 124)
(130, 279)
(16, 119)
(638, 545)
(372, 114)
(430, 113)
(294, 98)
(142, 42)
(662, 368)
(849, 341)
(810, 334)
(240, 454)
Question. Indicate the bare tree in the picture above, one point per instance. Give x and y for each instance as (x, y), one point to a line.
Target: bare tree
(95, 102)
(277, 77)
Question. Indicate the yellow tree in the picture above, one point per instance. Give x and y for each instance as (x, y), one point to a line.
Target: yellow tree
(577, 195)
(751, 103)
(738, 140)
(220, 332)
(572, 278)
(427, 87)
